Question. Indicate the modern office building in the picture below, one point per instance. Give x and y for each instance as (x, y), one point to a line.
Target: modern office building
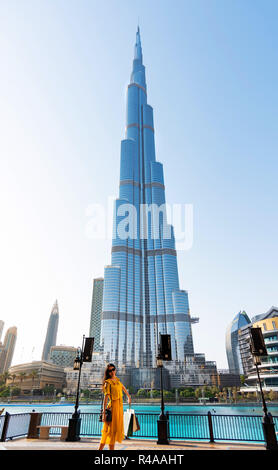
(7, 349)
(51, 334)
(63, 356)
(1, 328)
(96, 311)
(142, 295)
(232, 342)
(3, 355)
(268, 322)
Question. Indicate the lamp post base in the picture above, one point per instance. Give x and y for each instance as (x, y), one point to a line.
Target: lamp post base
(269, 433)
(163, 431)
(74, 430)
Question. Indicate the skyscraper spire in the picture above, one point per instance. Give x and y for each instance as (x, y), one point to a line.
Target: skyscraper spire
(138, 71)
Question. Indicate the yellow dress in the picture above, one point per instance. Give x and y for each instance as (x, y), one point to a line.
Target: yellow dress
(114, 431)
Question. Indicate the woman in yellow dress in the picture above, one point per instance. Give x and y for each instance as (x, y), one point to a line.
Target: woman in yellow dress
(113, 391)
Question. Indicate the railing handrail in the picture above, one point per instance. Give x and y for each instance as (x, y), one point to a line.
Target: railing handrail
(208, 426)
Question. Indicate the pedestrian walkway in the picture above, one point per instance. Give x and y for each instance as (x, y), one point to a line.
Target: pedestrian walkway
(54, 443)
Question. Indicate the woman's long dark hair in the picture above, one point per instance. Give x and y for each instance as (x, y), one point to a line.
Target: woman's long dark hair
(106, 373)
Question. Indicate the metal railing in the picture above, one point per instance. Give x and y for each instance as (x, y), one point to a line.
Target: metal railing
(211, 427)
(14, 425)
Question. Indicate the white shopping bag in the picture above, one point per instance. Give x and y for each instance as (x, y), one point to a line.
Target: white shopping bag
(128, 422)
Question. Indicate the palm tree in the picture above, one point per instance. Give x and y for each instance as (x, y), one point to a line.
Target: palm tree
(13, 376)
(6, 376)
(33, 375)
(21, 377)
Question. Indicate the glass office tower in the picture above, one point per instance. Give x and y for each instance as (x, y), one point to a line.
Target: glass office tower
(51, 334)
(96, 311)
(141, 295)
(232, 342)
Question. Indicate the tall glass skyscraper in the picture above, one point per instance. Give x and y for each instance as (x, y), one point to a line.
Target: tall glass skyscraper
(96, 311)
(51, 334)
(232, 342)
(142, 297)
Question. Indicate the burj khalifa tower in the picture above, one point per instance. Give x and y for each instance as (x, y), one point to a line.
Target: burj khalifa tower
(142, 296)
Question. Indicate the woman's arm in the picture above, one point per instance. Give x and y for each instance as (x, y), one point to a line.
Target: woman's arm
(104, 407)
(127, 394)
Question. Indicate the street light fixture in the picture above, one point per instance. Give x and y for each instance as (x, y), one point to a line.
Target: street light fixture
(84, 354)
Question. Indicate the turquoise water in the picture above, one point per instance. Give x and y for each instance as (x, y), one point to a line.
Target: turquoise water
(142, 408)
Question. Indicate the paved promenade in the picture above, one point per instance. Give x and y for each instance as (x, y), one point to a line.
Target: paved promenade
(54, 443)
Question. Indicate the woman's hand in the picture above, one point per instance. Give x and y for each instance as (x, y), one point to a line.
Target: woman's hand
(129, 400)
(103, 416)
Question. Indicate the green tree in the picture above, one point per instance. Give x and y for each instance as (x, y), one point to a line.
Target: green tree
(5, 392)
(242, 379)
(5, 376)
(198, 393)
(13, 377)
(142, 392)
(86, 393)
(48, 389)
(21, 377)
(15, 391)
(33, 375)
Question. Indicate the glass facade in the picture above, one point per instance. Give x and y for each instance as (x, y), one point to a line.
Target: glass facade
(232, 342)
(141, 295)
(51, 334)
(96, 310)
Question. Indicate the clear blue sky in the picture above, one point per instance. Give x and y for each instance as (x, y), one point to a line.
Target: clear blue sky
(212, 75)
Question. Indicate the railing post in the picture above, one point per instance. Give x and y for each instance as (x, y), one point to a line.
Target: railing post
(5, 426)
(35, 420)
(211, 436)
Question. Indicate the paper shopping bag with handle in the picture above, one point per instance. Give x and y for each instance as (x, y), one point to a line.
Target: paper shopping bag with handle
(128, 422)
(136, 425)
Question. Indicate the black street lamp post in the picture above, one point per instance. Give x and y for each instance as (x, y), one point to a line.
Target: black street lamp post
(162, 423)
(258, 349)
(75, 420)
(268, 424)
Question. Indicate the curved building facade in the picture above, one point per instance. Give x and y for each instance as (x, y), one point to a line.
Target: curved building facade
(141, 296)
(232, 342)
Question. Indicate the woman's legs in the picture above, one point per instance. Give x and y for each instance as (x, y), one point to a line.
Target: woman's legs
(111, 446)
(101, 446)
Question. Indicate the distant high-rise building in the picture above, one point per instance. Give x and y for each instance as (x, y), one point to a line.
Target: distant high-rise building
(51, 334)
(7, 349)
(3, 354)
(232, 342)
(96, 310)
(1, 328)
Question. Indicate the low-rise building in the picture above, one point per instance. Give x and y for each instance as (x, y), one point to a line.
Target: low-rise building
(226, 379)
(34, 376)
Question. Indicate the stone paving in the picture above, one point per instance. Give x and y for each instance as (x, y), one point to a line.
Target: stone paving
(54, 443)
